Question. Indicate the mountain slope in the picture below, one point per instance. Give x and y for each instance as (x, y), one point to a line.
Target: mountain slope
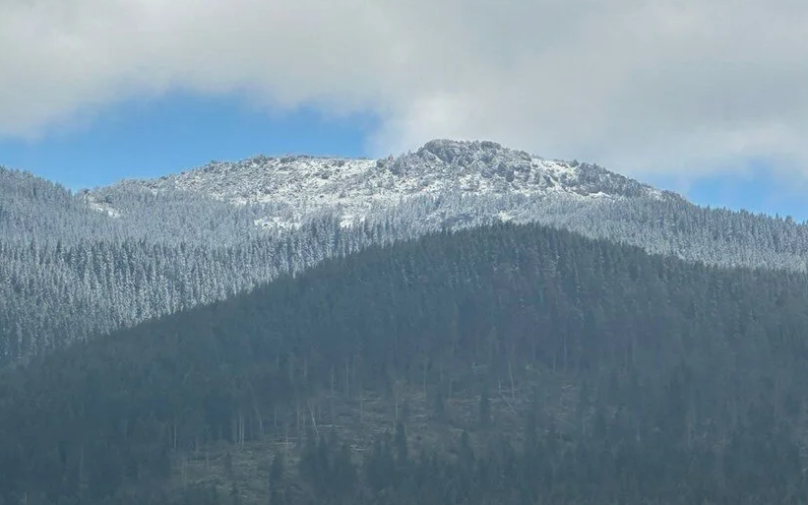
(115, 256)
(621, 377)
(463, 184)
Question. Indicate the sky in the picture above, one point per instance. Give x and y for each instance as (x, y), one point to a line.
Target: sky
(705, 97)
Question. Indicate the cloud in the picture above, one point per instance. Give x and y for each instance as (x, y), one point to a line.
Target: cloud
(643, 86)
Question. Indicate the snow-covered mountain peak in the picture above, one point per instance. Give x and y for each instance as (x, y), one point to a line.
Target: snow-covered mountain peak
(301, 185)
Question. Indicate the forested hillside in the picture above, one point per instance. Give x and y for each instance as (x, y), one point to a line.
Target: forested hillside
(510, 364)
(78, 265)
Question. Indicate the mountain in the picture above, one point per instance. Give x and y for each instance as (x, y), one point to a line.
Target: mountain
(84, 264)
(502, 364)
(454, 184)
(299, 186)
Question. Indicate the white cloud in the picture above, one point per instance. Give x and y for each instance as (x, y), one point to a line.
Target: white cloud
(637, 85)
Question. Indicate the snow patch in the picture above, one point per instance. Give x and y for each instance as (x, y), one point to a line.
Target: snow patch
(100, 206)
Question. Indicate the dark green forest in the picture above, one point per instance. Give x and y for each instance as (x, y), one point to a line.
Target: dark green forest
(687, 384)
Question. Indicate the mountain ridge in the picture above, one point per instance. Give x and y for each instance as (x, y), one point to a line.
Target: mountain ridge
(119, 255)
(354, 187)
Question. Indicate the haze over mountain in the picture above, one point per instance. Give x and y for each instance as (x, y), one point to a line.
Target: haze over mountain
(117, 255)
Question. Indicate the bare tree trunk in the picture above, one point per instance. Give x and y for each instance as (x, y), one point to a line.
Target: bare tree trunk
(174, 437)
(260, 421)
(331, 399)
(184, 472)
(424, 383)
(395, 399)
(347, 379)
(440, 371)
(297, 418)
(313, 420)
(565, 354)
(513, 384)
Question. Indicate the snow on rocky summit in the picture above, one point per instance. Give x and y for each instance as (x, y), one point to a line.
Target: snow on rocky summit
(354, 187)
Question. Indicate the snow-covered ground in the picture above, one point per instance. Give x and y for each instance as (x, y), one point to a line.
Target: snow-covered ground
(101, 206)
